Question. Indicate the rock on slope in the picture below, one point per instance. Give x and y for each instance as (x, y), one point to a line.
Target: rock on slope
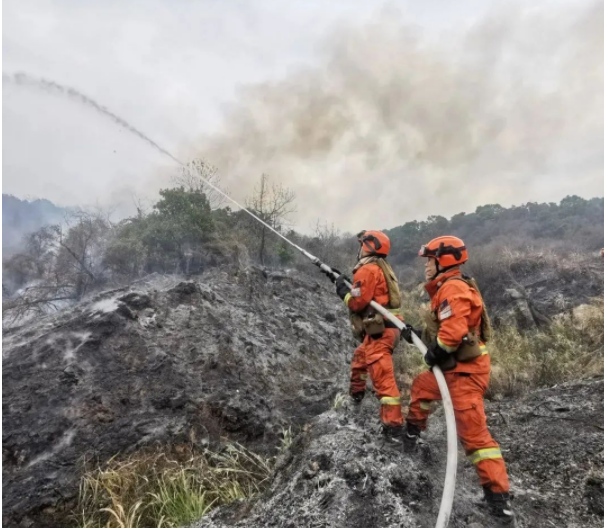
(339, 473)
(239, 354)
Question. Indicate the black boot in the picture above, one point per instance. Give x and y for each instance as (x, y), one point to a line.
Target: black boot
(357, 397)
(499, 505)
(412, 437)
(393, 434)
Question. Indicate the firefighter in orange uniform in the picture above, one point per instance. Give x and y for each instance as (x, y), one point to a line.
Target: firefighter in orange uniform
(455, 335)
(374, 280)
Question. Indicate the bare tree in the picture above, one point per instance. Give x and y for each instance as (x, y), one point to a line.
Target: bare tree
(140, 205)
(60, 263)
(272, 203)
(332, 246)
(326, 239)
(194, 177)
(81, 246)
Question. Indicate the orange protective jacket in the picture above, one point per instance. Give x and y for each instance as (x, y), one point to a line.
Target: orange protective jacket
(457, 308)
(368, 284)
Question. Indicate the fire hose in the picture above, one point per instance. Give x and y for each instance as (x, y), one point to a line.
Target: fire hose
(446, 503)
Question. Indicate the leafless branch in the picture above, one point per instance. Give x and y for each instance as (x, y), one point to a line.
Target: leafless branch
(194, 177)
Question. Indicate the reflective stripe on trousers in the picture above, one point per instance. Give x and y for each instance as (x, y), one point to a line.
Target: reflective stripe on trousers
(489, 453)
(388, 400)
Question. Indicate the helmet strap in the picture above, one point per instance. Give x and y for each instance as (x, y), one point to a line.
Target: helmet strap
(440, 271)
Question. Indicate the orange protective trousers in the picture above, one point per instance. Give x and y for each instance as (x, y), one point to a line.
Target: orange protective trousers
(467, 390)
(374, 358)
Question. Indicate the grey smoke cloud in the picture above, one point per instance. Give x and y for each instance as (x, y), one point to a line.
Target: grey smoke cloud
(392, 125)
(433, 109)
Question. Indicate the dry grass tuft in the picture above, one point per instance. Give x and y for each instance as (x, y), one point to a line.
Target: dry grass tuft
(168, 488)
(572, 347)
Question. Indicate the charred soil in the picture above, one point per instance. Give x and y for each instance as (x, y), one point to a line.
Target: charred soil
(340, 473)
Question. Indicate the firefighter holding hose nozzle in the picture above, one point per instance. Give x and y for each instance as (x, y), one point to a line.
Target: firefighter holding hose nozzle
(374, 280)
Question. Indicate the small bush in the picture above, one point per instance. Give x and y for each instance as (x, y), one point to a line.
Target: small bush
(168, 488)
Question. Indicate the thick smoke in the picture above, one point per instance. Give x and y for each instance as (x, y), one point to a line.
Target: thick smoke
(393, 125)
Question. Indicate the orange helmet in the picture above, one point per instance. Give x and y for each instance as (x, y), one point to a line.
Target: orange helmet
(376, 242)
(447, 250)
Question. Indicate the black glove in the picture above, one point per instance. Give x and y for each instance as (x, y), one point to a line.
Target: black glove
(439, 356)
(342, 289)
(407, 331)
(331, 275)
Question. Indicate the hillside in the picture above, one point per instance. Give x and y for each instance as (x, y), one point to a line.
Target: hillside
(340, 474)
(174, 339)
(575, 224)
(234, 353)
(21, 217)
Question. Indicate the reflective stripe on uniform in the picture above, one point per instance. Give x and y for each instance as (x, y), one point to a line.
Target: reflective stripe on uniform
(446, 347)
(390, 400)
(347, 298)
(488, 453)
(483, 350)
(425, 405)
(363, 376)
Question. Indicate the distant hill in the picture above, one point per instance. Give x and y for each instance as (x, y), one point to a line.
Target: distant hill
(575, 224)
(533, 261)
(21, 217)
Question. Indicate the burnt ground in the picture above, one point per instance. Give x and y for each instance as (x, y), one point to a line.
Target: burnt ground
(241, 354)
(238, 354)
(339, 473)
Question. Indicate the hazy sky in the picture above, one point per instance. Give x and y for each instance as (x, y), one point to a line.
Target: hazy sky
(373, 113)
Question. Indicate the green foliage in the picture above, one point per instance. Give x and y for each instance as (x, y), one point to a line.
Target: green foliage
(180, 218)
(186, 214)
(285, 254)
(126, 253)
(180, 224)
(287, 437)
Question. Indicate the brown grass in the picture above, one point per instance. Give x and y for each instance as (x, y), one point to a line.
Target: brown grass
(572, 347)
(169, 487)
